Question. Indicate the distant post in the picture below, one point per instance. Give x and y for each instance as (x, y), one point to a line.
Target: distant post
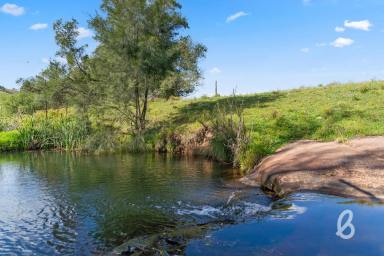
(216, 93)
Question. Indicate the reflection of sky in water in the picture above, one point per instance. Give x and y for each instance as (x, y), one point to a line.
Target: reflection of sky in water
(60, 204)
(53, 203)
(307, 227)
(31, 215)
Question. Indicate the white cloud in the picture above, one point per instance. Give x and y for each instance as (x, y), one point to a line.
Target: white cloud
(342, 42)
(305, 50)
(13, 9)
(39, 26)
(361, 25)
(235, 16)
(339, 29)
(321, 44)
(215, 71)
(307, 2)
(84, 33)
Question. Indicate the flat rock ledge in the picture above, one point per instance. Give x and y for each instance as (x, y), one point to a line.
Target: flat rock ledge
(352, 169)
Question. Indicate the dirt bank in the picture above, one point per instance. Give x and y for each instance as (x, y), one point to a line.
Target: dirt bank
(352, 169)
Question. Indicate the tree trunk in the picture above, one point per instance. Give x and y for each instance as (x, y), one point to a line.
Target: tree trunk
(137, 111)
(144, 112)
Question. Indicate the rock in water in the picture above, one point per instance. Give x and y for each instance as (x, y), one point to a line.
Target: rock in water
(352, 169)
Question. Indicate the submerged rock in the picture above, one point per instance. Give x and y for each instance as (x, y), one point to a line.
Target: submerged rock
(166, 243)
(352, 169)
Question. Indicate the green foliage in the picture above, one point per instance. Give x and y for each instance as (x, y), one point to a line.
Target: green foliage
(102, 141)
(9, 141)
(168, 140)
(257, 148)
(56, 132)
(45, 91)
(4, 113)
(21, 103)
(137, 144)
(142, 54)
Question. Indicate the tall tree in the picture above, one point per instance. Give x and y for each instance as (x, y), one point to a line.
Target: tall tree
(142, 54)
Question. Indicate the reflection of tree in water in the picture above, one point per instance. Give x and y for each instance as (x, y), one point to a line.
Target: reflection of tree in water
(112, 198)
(88, 204)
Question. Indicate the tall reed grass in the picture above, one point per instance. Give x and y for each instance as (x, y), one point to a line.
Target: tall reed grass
(230, 136)
(57, 131)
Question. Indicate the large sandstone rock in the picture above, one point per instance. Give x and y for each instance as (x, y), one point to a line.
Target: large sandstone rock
(352, 169)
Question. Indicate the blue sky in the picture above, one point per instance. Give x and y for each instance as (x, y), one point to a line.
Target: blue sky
(253, 45)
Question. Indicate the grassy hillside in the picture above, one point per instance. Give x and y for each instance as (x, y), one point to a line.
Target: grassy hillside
(323, 113)
(334, 112)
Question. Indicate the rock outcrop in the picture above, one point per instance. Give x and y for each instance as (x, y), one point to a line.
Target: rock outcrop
(351, 169)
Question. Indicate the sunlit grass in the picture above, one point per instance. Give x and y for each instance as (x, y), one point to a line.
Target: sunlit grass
(334, 112)
(354, 109)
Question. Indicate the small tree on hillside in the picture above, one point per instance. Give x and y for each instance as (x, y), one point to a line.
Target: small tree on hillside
(48, 87)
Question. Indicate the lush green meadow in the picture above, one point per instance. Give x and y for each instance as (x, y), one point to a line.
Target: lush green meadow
(333, 112)
(273, 119)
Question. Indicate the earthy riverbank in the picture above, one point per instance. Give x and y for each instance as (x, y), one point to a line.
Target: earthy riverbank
(351, 169)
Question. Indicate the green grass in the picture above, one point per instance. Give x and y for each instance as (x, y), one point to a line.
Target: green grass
(34, 132)
(322, 113)
(9, 141)
(273, 119)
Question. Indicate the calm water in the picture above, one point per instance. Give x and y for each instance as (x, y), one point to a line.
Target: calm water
(52, 203)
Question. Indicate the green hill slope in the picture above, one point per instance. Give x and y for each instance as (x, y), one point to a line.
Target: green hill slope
(334, 112)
